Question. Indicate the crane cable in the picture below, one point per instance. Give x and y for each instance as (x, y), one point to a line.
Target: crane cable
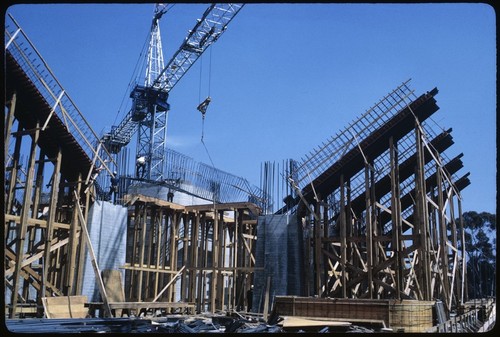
(203, 105)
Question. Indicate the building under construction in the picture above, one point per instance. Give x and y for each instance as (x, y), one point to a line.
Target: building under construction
(365, 228)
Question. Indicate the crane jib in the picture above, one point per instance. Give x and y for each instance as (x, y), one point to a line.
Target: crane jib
(206, 31)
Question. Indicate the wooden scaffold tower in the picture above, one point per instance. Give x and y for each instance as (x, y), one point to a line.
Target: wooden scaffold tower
(201, 255)
(50, 161)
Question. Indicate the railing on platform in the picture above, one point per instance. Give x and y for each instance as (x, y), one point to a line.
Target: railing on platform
(480, 318)
(19, 46)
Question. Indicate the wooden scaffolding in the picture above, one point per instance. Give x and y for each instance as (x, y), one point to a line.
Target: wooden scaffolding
(50, 156)
(380, 221)
(202, 254)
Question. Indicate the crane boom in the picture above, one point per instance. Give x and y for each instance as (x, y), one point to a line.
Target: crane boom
(207, 30)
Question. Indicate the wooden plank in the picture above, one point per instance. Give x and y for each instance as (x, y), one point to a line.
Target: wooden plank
(36, 222)
(8, 123)
(145, 305)
(132, 199)
(35, 257)
(112, 280)
(65, 307)
(169, 283)
(225, 207)
(294, 322)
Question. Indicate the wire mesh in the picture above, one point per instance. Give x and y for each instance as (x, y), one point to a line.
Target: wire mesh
(209, 182)
(318, 160)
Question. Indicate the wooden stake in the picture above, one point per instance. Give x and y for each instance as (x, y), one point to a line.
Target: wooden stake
(93, 259)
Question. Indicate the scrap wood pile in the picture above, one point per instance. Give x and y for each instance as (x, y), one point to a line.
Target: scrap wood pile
(203, 323)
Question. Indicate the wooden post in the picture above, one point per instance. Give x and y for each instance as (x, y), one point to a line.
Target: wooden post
(148, 290)
(343, 240)
(142, 248)
(396, 217)
(348, 221)
(159, 237)
(9, 120)
(138, 214)
(14, 171)
(444, 238)
(73, 244)
(25, 214)
(317, 248)
(307, 260)
(54, 191)
(454, 243)
(194, 272)
(463, 285)
(81, 239)
(369, 231)
(202, 263)
(185, 261)
(422, 220)
(215, 262)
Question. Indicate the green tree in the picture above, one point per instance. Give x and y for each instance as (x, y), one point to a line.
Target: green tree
(480, 245)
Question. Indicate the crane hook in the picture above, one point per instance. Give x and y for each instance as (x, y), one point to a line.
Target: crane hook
(202, 107)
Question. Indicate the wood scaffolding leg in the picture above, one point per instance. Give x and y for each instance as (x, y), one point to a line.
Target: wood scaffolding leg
(369, 232)
(51, 216)
(9, 120)
(397, 234)
(343, 237)
(23, 226)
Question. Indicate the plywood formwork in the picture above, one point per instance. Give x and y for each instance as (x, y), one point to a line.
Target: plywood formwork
(201, 254)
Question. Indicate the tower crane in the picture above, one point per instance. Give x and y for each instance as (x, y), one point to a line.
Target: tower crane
(149, 111)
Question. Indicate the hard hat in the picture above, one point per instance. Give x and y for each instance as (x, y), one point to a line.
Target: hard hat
(114, 172)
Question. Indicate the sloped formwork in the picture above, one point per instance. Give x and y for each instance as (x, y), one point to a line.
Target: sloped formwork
(380, 203)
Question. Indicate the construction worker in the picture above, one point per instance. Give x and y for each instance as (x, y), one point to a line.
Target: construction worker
(140, 166)
(113, 190)
(250, 298)
(170, 196)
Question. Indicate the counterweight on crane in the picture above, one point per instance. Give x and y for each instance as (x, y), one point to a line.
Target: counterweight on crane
(149, 111)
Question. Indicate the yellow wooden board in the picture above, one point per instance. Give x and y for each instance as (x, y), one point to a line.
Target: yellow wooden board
(65, 306)
(294, 322)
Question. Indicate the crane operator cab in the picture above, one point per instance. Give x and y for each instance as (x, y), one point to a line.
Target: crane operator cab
(145, 99)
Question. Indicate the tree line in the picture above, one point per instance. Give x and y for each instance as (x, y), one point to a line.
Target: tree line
(480, 246)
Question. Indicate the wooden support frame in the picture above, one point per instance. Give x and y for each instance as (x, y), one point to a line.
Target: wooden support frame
(398, 258)
(44, 236)
(196, 255)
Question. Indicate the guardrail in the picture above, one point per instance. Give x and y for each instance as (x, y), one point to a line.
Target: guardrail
(19, 46)
(479, 319)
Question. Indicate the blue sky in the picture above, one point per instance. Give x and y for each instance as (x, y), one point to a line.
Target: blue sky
(286, 77)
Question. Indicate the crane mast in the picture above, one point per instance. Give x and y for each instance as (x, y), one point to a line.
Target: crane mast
(149, 111)
(150, 108)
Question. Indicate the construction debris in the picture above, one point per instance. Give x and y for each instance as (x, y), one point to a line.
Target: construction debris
(208, 323)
